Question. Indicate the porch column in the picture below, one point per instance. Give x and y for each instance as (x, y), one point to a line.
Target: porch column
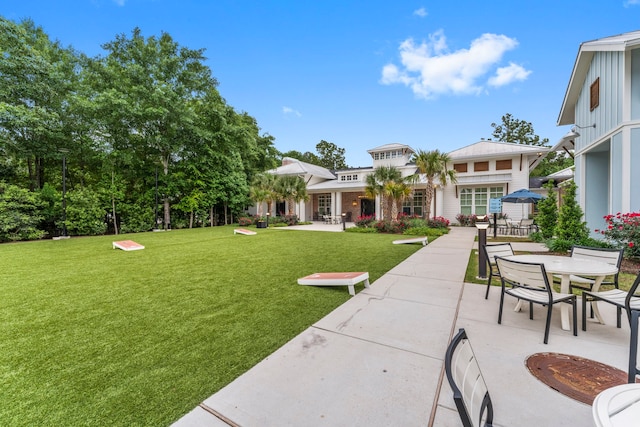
(338, 210)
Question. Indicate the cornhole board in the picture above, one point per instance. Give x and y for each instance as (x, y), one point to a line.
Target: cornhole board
(127, 245)
(336, 279)
(244, 231)
(423, 240)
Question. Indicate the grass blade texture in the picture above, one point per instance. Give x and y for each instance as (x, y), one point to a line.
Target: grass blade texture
(95, 336)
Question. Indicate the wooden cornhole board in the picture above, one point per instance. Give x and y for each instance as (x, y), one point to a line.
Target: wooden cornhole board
(336, 279)
(244, 231)
(423, 240)
(127, 245)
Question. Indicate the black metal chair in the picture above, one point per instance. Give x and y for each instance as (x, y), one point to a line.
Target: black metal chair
(528, 282)
(491, 251)
(470, 392)
(622, 300)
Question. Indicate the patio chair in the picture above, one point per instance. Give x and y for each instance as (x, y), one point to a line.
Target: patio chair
(491, 251)
(470, 392)
(503, 225)
(528, 282)
(630, 302)
(610, 256)
(525, 227)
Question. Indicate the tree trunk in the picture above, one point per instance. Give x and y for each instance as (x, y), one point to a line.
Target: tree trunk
(211, 216)
(428, 200)
(191, 219)
(113, 206)
(225, 213)
(166, 205)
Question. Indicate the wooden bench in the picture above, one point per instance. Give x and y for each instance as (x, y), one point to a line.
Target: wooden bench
(423, 240)
(348, 279)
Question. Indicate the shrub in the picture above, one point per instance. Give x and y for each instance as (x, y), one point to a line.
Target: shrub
(365, 221)
(547, 217)
(85, 215)
(19, 213)
(438, 222)
(623, 231)
(134, 217)
(361, 230)
(467, 220)
(245, 220)
(570, 225)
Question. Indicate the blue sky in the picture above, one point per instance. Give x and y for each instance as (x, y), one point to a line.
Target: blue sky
(362, 74)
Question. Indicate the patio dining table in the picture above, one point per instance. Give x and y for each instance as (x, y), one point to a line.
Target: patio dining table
(565, 266)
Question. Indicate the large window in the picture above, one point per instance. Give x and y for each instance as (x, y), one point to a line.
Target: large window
(324, 204)
(476, 200)
(413, 205)
(481, 201)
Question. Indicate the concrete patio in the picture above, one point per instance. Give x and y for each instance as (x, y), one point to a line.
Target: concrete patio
(378, 360)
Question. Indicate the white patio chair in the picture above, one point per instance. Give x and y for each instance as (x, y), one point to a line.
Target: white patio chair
(470, 392)
(491, 251)
(528, 282)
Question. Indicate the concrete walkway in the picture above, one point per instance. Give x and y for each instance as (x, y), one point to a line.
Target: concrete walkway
(378, 359)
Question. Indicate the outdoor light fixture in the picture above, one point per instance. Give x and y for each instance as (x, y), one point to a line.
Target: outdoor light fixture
(268, 213)
(344, 217)
(354, 203)
(482, 241)
(574, 127)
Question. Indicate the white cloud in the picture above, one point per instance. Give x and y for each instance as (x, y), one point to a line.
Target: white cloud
(119, 2)
(507, 75)
(290, 111)
(422, 12)
(431, 69)
(628, 3)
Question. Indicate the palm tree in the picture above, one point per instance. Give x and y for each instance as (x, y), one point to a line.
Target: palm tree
(376, 183)
(397, 192)
(263, 190)
(292, 189)
(433, 164)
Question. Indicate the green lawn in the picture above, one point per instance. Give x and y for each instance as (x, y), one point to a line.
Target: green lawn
(95, 336)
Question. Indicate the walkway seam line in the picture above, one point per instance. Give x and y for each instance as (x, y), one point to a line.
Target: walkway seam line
(219, 415)
(434, 406)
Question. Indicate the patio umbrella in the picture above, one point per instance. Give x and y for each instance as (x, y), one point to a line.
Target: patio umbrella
(522, 196)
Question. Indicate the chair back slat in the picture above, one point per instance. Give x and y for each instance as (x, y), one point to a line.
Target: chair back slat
(610, 256)
(500, 249)
(527, 275)
(470, 391)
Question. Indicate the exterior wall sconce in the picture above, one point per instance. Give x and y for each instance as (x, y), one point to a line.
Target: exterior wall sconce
(574, 127)
(354, 203)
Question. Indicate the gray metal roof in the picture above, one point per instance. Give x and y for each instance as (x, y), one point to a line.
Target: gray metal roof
(297, 167)
(489, 149)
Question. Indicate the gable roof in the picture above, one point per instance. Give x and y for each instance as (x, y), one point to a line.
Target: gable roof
(297, 167)
(495, 149)
(619, 43)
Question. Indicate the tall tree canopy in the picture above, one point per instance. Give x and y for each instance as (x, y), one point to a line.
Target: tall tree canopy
(148, 108)
(521, 132)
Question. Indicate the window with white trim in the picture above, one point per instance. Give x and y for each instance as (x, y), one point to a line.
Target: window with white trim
(324, 204)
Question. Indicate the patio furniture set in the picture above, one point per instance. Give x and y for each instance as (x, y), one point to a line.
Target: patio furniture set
(530, 278)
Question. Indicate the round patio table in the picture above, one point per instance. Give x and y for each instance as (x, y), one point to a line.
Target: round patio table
(566, 266)
(617, 406)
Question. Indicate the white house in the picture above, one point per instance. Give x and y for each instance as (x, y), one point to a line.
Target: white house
(602, 101)
(485, 170)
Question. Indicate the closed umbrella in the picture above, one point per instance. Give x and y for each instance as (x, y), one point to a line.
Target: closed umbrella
(522, 196)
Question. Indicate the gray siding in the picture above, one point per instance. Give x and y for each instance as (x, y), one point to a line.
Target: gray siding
(616, 172)
(609, 67)
(634, 197)
(635, 84)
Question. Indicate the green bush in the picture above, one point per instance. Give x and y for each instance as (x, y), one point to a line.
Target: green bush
(19, 214)
(85, 215)
(135, 217)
